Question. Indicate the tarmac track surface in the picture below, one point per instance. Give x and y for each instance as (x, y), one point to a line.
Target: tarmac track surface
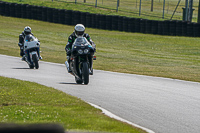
(160, 104)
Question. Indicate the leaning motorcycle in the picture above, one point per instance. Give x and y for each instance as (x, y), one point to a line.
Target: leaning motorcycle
(81, 60)
(31, 49)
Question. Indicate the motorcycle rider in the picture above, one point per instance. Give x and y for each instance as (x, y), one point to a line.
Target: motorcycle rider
(79, 31)
(27, 31)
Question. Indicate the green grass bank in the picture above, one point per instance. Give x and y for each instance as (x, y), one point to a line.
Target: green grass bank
(26, 102)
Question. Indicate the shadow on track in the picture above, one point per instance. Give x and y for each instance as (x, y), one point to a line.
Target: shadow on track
(70, 83)
(67, 83)
(21, 68)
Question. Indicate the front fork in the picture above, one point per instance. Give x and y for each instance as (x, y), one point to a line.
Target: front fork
(88, 59)
(77, 63)
(29, 55)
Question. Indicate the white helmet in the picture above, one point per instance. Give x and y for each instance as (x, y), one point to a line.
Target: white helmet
(27, 30)
(79, 30)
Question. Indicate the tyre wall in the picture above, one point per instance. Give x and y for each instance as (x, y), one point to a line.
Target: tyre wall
(99, 21)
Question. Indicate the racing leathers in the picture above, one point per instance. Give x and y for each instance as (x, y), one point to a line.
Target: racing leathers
(71, 39)
(21, 45)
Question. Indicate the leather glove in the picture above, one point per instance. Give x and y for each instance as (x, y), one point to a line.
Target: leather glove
(68, 52)
(94, 46)
(20, 45)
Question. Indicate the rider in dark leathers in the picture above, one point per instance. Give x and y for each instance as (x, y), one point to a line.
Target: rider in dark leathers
(79, 31)
(27, 30)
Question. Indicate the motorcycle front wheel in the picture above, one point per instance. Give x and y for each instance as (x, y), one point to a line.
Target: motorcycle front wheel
(35, 60)
(85, 73)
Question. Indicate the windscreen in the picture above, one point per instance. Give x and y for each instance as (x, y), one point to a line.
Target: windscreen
(29, 38)
(81, 41)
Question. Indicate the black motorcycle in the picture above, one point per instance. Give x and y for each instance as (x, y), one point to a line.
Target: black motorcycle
(81, 60)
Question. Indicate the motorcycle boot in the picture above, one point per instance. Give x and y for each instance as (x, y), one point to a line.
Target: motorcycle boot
(67, 63)
(91, 71)
(22, 53)
(23, 58)
(90, 66)
(38, 51)
(69, 70)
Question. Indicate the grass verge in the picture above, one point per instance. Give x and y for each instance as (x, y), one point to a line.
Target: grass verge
(26, 102)
(135, 53)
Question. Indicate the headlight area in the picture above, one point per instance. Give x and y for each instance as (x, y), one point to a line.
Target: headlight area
(80, 51)
(86, 51)
(83, 51)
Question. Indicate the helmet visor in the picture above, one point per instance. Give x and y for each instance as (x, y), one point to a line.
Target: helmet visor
(79, 33)
(27, 32)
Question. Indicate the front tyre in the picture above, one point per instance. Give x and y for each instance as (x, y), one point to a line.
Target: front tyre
(35, 60)
(85, 73)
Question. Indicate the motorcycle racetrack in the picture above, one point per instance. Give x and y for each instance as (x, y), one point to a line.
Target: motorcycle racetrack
(162, 105)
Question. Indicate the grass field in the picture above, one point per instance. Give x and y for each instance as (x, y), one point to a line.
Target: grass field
(128, 8)
(155, 55)
(136, 53)
(25, 102)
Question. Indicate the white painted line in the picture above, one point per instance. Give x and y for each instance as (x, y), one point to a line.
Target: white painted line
(120, 119)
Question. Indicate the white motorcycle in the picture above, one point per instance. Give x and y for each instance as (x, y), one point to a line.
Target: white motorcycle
(31, 50)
